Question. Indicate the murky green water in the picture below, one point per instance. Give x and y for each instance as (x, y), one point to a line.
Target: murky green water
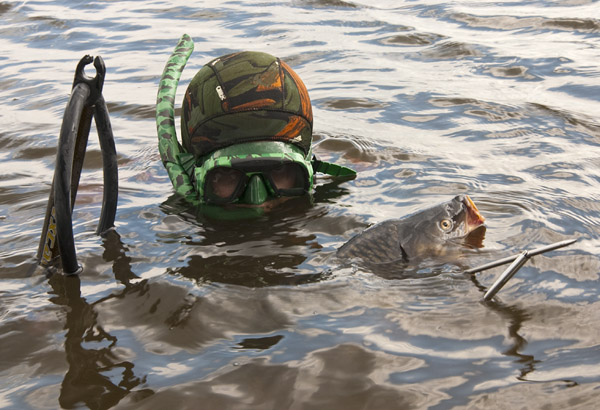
(426, 99)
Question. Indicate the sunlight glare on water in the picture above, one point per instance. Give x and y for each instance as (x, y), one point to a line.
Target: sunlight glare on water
(425, 99)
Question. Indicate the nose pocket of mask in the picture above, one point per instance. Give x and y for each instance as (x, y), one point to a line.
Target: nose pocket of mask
(256, 192)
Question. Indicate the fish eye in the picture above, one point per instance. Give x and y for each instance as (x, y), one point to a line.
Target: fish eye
(446, 225)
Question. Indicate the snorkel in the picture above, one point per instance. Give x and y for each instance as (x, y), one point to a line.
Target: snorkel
(175, 160)
(246, 127)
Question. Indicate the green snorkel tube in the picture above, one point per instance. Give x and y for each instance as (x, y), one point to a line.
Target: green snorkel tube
(173, 157)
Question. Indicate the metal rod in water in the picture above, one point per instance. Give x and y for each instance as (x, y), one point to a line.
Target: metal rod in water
(510, 259)
(507, 274)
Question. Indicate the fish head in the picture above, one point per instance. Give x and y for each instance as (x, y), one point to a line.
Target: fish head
(431, 231)
(458, 218)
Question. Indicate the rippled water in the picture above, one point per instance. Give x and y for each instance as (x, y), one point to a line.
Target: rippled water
(426, 99)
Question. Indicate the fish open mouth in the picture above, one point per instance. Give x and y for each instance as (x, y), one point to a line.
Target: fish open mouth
(474, 218)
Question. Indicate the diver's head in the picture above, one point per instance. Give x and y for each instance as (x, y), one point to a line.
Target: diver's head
(247, 121)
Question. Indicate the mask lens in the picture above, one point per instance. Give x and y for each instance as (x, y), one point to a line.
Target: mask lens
(288, 179)
(224, 184)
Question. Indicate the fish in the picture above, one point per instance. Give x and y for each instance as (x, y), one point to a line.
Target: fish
(427, 233)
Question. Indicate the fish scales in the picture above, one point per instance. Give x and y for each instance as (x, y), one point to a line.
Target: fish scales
(426, 233)
(378, 243)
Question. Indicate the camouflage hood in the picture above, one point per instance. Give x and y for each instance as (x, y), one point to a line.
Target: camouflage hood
(245, 97)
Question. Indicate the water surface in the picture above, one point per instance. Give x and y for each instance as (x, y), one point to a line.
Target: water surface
(426, 99)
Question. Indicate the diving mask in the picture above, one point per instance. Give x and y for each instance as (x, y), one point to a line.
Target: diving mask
(272, 170)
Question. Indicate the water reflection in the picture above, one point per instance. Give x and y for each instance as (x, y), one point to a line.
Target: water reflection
(258, 246)
(261, 343)
(515, 318)
(584, 25)
(97, 377)
(116, 252)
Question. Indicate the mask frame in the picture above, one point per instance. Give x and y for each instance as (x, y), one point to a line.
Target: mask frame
(255, 163)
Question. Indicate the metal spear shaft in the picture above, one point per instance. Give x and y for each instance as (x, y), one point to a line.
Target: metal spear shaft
(517, 262)
(534, 252)
(506, 275)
